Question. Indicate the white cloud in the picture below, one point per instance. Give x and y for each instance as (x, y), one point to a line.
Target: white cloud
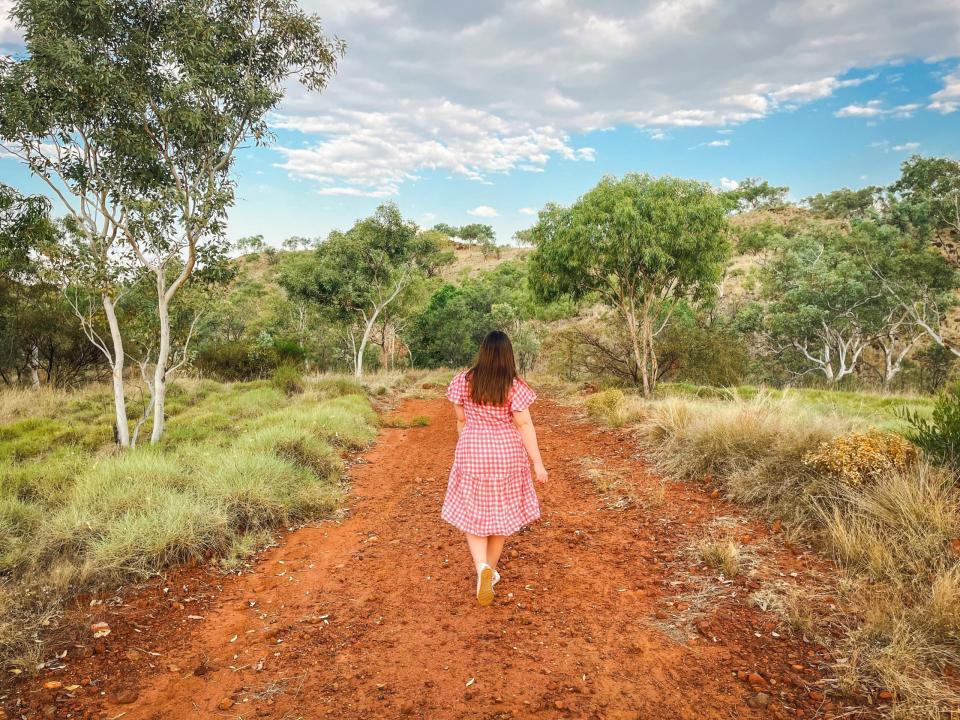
(537, 73)
(728, 184)
(712, 143)
(947, 99)
(875, 108)
(527, 211)
(816, 89)
(477, 89)
(484, 211)
(886, 146)
(373, 153)
(871, 109)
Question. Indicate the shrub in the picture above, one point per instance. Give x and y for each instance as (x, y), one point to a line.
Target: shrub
(238, 360)
(860, 457)
(288, 380)
(604, 404)
(939, 435)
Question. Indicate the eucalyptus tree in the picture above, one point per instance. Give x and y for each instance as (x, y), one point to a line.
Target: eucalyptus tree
(132, 113)
(926, 201)
(26, 230)
(829, 297)
(359, 273)
(643, 244)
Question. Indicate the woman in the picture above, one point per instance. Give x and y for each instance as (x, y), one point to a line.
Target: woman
(490, 492)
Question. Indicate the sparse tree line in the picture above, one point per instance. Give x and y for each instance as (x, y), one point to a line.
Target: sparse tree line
(852, 285)
(133, 119)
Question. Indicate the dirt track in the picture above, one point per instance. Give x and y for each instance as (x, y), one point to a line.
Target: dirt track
(602, 612)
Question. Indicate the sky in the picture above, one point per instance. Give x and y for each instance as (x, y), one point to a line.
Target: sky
(484, 112)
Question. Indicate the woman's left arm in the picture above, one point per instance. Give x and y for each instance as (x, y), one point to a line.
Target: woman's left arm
(461, 418)
(528, 433)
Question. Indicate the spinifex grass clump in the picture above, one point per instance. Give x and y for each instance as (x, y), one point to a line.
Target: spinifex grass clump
(238, 461)
(886, 513)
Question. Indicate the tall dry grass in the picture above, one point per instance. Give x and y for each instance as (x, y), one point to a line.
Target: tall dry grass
(893, 528)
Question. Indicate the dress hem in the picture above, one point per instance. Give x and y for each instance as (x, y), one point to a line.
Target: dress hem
(462, 527)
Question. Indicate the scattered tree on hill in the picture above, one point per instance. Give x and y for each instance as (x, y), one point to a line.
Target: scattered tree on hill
(641, 243)
(474, 234)
(847, 204)
(360, 272)
(755, 194)
(926, 200)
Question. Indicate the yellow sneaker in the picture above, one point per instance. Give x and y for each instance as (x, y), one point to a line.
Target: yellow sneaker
(485, 585)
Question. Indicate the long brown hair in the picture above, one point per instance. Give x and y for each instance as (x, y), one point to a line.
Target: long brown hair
(492, 376)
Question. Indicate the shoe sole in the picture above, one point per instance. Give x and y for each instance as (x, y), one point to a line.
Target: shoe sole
(485, 593)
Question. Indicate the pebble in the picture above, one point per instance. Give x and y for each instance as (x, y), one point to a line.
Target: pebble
(760, 700)
(225, 704)
(816, 696)
(756, 679)
(126, 696)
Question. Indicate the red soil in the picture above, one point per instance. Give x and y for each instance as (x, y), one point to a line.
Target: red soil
(375, 616)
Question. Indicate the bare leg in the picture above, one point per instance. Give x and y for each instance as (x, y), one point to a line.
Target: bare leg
(494, 548)
(478, 549)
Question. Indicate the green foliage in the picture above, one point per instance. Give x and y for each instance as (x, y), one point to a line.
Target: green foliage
(360, 276)
(448, 331)
(755, 194)
(712, 354)
(642, 244)
(604, 404)
(239, 461)
(288, 380)
(939, 434)
(828, 295)
(847, 204)
(926, 197)
(241, 360)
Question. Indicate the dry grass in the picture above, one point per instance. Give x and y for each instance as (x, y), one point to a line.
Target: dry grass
(887, 518)
(611, 485)
(722, 555)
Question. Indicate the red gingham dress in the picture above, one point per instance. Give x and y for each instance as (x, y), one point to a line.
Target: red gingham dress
(490, 490)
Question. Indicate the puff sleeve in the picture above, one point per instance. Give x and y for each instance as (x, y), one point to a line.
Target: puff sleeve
(457, 389)
(521, 396)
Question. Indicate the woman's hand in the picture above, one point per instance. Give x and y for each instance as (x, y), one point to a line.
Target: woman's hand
(541, 472)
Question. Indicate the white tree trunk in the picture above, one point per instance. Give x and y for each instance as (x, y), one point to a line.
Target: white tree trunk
(116, 362)
(163, 358)
(358, 361)
(35, 367)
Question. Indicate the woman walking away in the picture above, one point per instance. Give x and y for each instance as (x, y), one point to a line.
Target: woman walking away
(490, 492)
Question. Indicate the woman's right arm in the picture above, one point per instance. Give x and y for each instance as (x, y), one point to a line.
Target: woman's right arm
(528, 433)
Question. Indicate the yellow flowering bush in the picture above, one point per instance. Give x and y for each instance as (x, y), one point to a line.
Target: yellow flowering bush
(860, 457)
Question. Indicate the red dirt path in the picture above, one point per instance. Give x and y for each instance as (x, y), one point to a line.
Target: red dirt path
(374, 616)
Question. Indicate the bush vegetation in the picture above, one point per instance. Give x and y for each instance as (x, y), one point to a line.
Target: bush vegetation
(886, 512)
(239, 461)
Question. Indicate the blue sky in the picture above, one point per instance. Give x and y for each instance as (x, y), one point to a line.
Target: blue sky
(483, 114)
